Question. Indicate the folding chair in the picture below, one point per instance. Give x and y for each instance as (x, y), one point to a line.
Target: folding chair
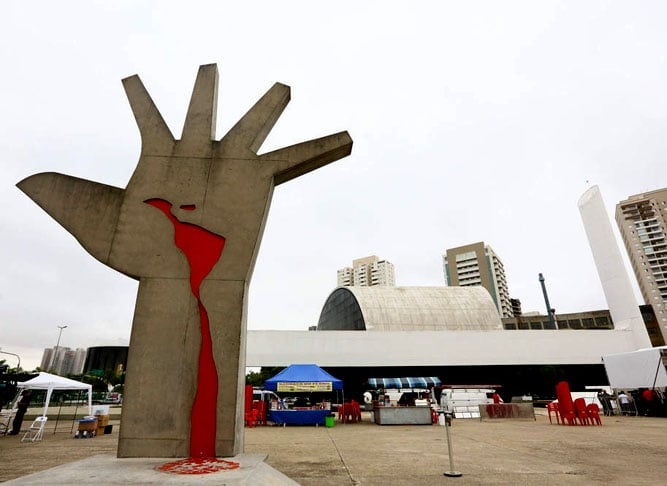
(6, 421)
(36, 430)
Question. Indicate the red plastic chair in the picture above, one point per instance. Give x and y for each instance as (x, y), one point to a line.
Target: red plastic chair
(251, 418)
(261, 412)
(356, 411)
(553, 407)
(580, 410)
(594, 413)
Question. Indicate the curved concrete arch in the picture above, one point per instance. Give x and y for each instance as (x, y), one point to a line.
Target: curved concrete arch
(409, 309)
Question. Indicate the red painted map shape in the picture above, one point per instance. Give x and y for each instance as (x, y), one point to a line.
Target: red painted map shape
(202, 249)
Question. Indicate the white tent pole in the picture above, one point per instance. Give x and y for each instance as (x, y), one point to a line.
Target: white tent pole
(48, 399)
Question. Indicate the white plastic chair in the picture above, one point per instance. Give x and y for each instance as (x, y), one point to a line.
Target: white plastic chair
(36, 430)
(6, 421)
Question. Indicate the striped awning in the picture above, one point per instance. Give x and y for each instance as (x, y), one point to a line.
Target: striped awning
(409, 382)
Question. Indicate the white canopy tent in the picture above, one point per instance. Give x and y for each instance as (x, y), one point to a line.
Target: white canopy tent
(49, 382)
(643, 368)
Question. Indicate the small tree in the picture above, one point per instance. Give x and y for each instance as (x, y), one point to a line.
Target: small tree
(257, 379)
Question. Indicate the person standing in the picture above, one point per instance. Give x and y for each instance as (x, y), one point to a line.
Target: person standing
(624, 401)
(648, 396)
(605, 401)
(21, 409)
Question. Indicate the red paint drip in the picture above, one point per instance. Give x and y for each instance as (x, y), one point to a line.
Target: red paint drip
(202, 249)
(198, 465)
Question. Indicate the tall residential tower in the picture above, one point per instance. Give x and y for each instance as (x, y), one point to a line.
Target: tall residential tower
(367, 272)
(478, 264)
(642, 221)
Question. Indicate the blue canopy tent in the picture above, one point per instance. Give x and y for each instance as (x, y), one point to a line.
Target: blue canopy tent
(302, 378)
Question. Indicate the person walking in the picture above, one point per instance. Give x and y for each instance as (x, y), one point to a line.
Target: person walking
(21, 409)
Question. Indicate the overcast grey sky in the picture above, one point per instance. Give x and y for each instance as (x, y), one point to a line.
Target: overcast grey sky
(471, 121)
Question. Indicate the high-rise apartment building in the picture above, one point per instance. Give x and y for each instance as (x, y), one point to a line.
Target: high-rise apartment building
(65, 361)
(367, 272)
(642, 221)
(478, 264)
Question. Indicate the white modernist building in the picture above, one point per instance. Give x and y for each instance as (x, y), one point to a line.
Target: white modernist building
(455, 332)
(398, 327)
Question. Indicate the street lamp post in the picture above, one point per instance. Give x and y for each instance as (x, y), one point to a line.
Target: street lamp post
(18, 367)
(55, 352)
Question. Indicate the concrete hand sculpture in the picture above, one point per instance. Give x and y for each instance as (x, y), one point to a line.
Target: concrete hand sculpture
(186, 364)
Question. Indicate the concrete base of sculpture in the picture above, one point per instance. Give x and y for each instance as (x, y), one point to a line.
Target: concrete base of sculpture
(107, 469)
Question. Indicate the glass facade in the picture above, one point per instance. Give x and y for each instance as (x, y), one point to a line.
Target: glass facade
(341, 312)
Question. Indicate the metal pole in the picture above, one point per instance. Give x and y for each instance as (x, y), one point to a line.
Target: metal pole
(550, 313)
(55, 352)
(452, 473)
(18, 366)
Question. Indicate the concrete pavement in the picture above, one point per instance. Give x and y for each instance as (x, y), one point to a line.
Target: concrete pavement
(624, 450)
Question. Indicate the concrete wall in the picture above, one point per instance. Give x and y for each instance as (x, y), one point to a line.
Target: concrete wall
(434, 348)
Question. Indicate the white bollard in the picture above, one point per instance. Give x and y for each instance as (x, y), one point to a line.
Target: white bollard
(452, 473)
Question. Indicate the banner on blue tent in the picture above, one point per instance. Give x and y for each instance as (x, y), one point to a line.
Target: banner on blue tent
(409, 382)
(304, 386)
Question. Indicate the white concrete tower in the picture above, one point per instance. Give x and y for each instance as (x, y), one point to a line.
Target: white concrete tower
(613, 275)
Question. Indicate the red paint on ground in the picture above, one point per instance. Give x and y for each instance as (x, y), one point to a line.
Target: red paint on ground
(198, 465)
(202, 249)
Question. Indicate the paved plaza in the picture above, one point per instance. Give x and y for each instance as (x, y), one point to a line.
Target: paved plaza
(624, 450)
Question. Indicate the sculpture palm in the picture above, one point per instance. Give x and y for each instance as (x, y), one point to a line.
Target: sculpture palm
(221, 187)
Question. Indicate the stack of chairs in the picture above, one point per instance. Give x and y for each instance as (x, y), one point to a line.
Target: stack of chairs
(565, 404)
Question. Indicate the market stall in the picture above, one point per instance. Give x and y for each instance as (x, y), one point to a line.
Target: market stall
(302, 378)
(404, 401)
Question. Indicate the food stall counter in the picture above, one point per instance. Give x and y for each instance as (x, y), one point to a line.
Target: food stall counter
(298, 417)
(403, 415)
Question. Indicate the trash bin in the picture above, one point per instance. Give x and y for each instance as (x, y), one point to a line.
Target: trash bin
(329, 420)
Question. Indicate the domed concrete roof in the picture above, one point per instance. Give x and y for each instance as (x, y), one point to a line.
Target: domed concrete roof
(409, 309)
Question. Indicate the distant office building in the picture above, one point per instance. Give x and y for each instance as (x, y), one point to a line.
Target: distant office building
(642, 221)
(367, 272)
(599, 319)
(64, 362)
(477, 264)
(102, 359)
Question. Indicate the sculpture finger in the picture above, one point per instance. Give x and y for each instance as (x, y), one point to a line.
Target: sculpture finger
(252, 129)
(295, 160)
(199, 127)
(156, 138)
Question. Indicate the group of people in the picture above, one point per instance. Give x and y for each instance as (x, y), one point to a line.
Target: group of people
(644, 401)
